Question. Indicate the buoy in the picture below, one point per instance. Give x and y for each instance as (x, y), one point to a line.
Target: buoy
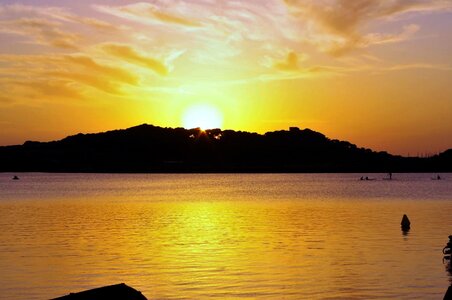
(405, 224)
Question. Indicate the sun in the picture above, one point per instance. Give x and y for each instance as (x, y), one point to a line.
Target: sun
(203, 116)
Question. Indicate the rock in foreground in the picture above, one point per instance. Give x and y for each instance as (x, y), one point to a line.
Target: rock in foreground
(112, 292)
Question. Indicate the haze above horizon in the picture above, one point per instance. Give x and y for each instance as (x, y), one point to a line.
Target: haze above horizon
(376, 73)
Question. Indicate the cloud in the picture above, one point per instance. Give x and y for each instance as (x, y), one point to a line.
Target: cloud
(79, 70)
(55, 89)
(222, 41)
(105, 78)
(290, 64)
(113, 73)
(39, 91)
(94, 23)
(56, 13)
(129, 54)
(42, 31)
(212, 33)
(415, 66)
(168, 18)
(94, 81)
(149, 13)
(216, 20)
(346, 45)
(337, 26)
(377, 38)
(345, 17)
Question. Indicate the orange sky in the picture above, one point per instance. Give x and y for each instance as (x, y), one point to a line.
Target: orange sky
(374, 72)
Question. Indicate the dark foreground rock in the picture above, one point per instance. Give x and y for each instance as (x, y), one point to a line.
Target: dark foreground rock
(448, 295)
(112, 292)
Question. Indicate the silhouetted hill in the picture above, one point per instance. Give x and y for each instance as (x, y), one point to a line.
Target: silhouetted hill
(148, 148)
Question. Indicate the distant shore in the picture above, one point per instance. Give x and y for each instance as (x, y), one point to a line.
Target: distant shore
(152, 149)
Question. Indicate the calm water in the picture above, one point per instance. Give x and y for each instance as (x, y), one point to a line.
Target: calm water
(266, 236)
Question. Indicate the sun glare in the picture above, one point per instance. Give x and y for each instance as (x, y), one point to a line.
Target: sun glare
(202, 116)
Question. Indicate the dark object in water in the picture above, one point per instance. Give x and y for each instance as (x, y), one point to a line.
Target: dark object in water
(15, 177)
(405, 223)
(113, 292)
(447, 251)
(448, 295)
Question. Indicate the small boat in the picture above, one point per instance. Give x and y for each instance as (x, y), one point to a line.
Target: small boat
(118, 291)
(367, 178)
(15, 177)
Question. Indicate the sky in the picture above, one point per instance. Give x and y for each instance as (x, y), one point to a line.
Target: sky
(377, 73)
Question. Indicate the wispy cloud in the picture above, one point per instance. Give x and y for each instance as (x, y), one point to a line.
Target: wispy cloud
(91, 22)
(129, 54)
(291, 63)
(13, 11)
(150, 13)
(234, 42)
(69, 71)
(113, 73)
(93, 81)
(337, 26)
(343, 46)
(414, 66)
(41, 31)
(40, 90)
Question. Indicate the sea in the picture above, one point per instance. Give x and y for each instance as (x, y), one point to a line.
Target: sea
(226, 236)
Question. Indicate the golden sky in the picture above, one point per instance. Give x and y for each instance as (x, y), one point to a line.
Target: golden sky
(377, 73)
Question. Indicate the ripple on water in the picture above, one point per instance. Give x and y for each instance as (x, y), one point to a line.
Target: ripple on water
(192, 236)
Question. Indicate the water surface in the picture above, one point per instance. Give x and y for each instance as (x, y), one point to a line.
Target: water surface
(193, 236)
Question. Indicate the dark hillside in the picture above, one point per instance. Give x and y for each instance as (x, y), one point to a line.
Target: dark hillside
(148, 148)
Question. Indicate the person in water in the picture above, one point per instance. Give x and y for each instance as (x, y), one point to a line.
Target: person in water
(438, 177)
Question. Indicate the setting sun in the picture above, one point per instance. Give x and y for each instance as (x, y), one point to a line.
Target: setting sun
(203, 116)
